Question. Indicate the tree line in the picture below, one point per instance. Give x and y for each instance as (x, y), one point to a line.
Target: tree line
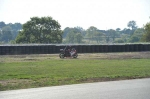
(8, 32)
(47, 30)
(94, 35)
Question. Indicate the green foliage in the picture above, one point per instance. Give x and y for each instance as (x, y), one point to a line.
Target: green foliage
(70, 37)
(2, 24)
(78, 38)
(92, 33)
(16, 27)
(132, 25)
(6, 34)
(47, 30)
(136, 37)
(75, 29)
(9, 31)
(118, 29)
(73, 35)
(111, 34)
(95, 36)
(40, 30)
(119, 40)
(146, 36)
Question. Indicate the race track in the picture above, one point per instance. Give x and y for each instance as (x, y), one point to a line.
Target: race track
(125, 89)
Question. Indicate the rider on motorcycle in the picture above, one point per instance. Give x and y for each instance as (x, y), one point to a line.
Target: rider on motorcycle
(70, 50)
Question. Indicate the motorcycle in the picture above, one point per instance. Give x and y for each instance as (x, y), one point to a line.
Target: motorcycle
(68, 52)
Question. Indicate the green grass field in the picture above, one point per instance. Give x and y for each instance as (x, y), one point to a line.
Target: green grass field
(18, 73)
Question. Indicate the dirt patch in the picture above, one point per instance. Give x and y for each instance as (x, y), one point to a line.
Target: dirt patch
(14, 82)
(30, 59)
(124, 55)
(103, 79)
(40, 57)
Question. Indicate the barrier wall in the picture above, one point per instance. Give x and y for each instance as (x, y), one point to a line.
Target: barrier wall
(52, 49)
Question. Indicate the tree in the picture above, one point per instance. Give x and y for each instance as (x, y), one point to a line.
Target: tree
(78, 38)
(9, 31)
(136, 37)
(74, 37)
(119, 40)
(112, 34)
(90, 32)
(66, 31)
(16, 27)
(80, 30)
(6, 34)
(98, 36)
(70, 37)
(2, 24)
(132, 25)
(75, 29)
(146, 36)
(118, 29)
(40, 30)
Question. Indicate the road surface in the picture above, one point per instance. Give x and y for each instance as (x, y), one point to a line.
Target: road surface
(125, 89)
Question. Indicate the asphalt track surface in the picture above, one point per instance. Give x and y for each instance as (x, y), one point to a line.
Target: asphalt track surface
(124, 89)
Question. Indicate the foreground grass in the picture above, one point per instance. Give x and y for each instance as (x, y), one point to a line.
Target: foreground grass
(51, 72)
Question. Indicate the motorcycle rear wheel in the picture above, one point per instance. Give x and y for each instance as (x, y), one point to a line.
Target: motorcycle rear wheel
(61, 55)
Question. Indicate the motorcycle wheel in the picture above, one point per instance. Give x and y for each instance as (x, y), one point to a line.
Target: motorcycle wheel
(75, 56)
(61, 55)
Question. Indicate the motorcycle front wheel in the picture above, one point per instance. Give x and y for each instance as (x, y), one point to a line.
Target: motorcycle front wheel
(75, 56)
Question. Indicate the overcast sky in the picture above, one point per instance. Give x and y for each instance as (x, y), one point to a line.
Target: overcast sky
(103, 14)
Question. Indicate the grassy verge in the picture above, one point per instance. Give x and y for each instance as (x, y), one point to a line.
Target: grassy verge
(50, 72)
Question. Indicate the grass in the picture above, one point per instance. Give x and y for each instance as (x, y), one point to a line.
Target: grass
(29, 73)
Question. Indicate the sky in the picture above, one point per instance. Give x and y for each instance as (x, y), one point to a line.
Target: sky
(102, 14)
